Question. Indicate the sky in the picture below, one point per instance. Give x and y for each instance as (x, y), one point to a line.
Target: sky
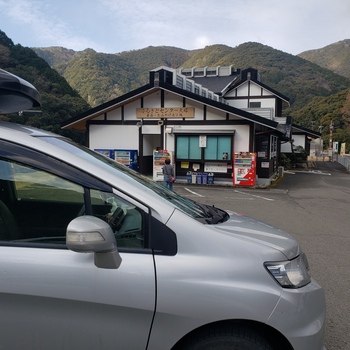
(114, 26)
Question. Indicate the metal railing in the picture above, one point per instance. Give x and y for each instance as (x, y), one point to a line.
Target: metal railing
(345, 161)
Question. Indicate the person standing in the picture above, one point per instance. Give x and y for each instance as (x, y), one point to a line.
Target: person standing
(168, 172)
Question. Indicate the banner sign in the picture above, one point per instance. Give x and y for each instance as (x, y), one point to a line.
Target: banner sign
(166, 112)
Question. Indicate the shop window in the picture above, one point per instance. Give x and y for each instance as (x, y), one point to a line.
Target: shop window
(187, 147)
(217, 148)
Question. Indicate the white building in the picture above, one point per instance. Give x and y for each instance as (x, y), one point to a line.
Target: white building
(200, 116)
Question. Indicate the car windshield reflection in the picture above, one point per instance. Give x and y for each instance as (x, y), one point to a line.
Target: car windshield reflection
(204, 213)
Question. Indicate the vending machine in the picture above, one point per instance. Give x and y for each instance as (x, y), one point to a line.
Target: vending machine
(244, 169)
(159, 157)
(128, 157)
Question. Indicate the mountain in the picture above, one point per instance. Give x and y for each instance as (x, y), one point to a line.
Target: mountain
(99, 77)
(59, 100)
(296, 78)
(318, 96)
(321, 112)
(335, 57)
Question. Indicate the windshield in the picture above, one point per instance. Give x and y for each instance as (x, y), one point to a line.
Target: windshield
(204, 213)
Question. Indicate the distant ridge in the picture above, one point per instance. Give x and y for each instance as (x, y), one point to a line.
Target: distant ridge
(88, 78)
(335, 57)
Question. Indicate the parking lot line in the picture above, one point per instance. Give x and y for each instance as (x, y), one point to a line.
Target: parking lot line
(195, 193)
(254, 195)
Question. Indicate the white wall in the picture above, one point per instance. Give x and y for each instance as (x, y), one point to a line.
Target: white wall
(255, 90)
(198, 110)
(115, 114)
(241, 139)
(172, 100)
(152, 100)
(150, 142)
(114, 137)
(130, 110)
(214, 114)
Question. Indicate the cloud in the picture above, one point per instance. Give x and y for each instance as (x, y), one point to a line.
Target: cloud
(201, 41)
(40, 20)
(112, 26)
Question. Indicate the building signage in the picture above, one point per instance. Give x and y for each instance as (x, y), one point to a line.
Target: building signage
(215, 167)
(342, 149)
(202, 141)
(166, 112)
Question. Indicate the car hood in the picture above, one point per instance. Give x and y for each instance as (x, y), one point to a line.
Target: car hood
(260, 233)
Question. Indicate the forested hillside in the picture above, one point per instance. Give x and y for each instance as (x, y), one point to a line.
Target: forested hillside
(296, 78)
(324, 111)
(59, 100)
(335, 57)
(100, 77)
(317, 94)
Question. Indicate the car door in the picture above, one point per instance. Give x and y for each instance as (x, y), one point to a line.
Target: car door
(54, 298)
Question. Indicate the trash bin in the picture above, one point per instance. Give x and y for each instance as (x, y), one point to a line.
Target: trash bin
(189, 177)
(194, 178)
(204, 178)
(210, 179)
(199, 178)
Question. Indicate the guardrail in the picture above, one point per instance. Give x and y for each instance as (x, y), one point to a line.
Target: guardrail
(345, 161)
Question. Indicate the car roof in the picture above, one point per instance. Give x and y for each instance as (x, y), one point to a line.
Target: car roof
(34, 139)
(30, 130)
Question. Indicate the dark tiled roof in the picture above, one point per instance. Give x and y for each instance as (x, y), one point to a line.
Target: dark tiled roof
(216, 84)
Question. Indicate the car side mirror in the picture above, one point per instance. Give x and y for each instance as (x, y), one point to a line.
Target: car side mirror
(88, 234)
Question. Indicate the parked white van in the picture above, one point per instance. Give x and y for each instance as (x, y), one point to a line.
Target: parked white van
(96, 256)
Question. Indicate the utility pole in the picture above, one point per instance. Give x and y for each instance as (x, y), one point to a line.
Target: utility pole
(320, 127)
(331, 135)
(330, 148)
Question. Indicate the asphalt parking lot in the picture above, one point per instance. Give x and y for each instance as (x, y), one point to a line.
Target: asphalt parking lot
(313, 205)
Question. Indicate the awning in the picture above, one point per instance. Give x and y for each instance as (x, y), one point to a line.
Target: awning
(16, 94)
(204, 129)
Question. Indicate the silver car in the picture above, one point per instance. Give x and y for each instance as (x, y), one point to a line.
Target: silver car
(96, 256)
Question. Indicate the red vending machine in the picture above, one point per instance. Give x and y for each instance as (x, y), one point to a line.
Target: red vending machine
(244, 169)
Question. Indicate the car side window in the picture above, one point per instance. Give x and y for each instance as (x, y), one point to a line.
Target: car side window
(125, 219)
(37, 206)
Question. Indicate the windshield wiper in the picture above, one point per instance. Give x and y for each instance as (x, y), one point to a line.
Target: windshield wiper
(213, 215)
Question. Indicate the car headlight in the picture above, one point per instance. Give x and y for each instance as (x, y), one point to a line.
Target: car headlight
(291, 273)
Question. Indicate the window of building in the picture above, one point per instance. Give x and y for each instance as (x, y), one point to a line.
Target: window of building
(217, 148)
(211, 72)
(254, 104)
(273, 146)
(179, 82)
(188, 147)
(199, 73)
